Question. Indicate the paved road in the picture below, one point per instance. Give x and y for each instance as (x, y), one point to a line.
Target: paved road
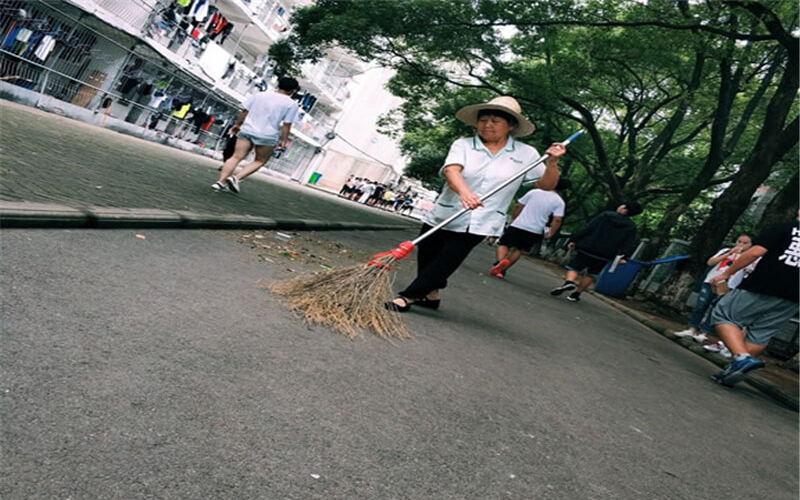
(161, 368)
(52, 159)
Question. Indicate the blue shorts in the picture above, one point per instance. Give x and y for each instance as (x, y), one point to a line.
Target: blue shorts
(258, 141)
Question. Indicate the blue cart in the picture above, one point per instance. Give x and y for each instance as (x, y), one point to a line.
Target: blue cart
(616, 282)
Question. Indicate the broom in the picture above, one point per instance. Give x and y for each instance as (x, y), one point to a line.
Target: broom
(354, 296)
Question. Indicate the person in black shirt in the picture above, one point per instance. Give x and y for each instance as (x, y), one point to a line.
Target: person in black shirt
(596, 244)
(764, 301)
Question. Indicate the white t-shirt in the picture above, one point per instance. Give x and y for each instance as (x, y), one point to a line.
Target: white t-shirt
(266, 112)
(539, 205)
(482, 172)
(722, 265)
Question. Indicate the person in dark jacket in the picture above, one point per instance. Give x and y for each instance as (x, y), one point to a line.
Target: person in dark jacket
(605, 237)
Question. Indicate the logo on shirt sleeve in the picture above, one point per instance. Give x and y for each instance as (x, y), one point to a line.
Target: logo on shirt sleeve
(791, 256)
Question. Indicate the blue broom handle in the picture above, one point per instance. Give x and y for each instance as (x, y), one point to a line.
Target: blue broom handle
(500, 187)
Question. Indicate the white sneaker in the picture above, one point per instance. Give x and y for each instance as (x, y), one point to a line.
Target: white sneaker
(719, 348)
(219, 187)
(715, 347)
(233, 184)
(700, 337)
(685, 333)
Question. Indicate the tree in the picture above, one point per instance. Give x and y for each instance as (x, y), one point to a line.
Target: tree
(678, 98)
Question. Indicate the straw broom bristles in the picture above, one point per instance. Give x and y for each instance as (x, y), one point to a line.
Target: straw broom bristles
(347, 298)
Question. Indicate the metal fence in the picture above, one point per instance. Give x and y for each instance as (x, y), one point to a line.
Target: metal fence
(51, 52)
(46, 51)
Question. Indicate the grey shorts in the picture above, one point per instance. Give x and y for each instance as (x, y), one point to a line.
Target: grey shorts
(258, 141)
(762, 315)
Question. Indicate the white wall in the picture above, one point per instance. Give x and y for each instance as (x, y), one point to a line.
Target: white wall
(379, 158)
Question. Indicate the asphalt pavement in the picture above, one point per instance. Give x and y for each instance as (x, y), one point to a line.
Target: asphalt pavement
(153, 363)
(160, 367)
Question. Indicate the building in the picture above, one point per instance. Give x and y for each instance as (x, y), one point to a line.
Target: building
(177, 71)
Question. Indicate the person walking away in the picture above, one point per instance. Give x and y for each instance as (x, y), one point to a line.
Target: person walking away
(388, 199)
(358, 189)
(604, 238)
(762, 303)
(366, 192)
(474, 166)
(408, 205)
(346, 187)
(263, 124)
(697, 328)
(376, 195)
(528, 221)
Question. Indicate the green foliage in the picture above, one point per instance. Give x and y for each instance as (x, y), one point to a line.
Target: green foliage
(670, 92)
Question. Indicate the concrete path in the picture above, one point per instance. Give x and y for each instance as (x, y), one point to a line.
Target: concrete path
(159, 367)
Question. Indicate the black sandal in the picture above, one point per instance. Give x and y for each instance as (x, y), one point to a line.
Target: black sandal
(428, 303)
(391, 306)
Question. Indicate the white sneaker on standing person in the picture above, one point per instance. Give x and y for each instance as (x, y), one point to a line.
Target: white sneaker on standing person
(263, 124)
(720, 261)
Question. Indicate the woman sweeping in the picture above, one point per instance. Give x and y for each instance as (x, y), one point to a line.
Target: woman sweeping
(473, 167)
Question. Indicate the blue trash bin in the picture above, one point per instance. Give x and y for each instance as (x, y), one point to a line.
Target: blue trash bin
(617, 282)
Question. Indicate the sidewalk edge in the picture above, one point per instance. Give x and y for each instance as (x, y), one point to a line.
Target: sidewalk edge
(24, 215)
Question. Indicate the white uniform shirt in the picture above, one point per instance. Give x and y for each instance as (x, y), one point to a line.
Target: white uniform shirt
(539, 204)
(482, 172)
(266, 112)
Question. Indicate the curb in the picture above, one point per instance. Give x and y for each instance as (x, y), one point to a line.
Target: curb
(26, 215)
(788, 399)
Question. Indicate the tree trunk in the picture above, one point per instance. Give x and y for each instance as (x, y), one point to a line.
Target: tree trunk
(775, 140)
(784, 206)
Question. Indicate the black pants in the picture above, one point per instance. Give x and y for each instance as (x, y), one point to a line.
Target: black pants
(438, 257)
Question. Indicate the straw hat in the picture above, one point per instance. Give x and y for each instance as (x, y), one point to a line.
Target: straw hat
(469, 114)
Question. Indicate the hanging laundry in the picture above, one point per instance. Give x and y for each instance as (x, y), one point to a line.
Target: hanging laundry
(11, 37)
(200, 10)
(24, 35)
(45, 47)
(145, 88)
(199, 118)
(157, 98)
(127, 85)
(181, 112)
(226, 31)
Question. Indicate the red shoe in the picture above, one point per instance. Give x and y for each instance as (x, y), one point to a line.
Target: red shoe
(499, 269)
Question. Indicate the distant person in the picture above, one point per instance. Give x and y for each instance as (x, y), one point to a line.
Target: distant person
(399, 200)
(264, 123)
(408, 206)
(720, 261)
(376, 195)
(528, 222)
(388, 199)
(358, 187)
(347, 187)
(605, 237)
(366, 192)
(762, 303)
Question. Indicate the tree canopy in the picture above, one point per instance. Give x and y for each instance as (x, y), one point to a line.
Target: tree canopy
(688, 106)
